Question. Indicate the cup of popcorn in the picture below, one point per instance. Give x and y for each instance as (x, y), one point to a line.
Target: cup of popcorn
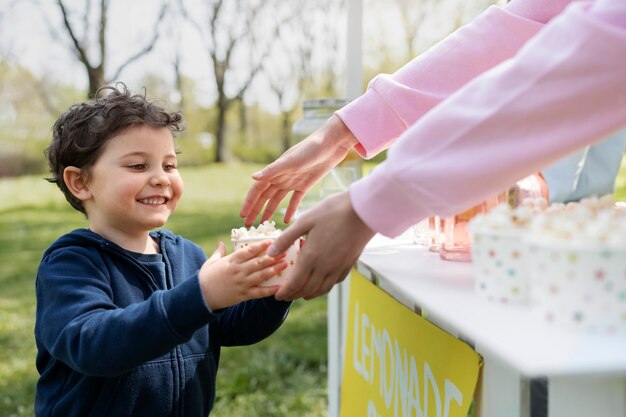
(578, 268)
(243, 237)
(499, 252)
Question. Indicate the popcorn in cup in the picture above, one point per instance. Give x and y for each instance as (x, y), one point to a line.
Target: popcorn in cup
(578, 274)
(243, 237)
(499, 252)
(579, 287)
(500, 265)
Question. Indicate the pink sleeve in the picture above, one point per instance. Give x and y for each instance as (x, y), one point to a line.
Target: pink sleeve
(392, 103)
(564, 89)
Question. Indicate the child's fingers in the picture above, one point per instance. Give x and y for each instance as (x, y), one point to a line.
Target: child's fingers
(219, 252)
(262, 292)
(251, 251)
(259, 277)
(261, 262)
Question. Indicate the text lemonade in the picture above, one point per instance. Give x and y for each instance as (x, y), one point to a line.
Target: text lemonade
(379, 358)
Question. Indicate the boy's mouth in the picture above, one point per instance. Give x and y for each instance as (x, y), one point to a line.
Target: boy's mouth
(153, 200)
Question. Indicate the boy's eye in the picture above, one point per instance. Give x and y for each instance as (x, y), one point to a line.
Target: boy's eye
(137, 167)
(169, 167)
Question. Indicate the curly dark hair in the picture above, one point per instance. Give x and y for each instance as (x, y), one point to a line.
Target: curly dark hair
(79, 134)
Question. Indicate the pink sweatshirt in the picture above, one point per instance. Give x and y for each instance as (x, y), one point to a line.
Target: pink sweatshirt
(501, 98)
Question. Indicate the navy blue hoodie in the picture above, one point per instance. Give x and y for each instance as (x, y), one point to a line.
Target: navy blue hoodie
(120, 335)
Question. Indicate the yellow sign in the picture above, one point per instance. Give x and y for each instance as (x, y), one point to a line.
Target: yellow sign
(398, 364)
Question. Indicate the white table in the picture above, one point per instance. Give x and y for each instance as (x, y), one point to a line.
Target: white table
(586, 373)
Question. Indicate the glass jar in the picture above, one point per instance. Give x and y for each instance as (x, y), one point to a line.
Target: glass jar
(456, 245)
(533, 186)
(315, 114)
(435, 231)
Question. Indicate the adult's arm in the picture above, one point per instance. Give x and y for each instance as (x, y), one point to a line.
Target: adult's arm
(564, 89)
(392, 103)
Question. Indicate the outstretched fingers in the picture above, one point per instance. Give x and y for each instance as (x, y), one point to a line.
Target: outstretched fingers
(272, 204)
(252, 198)
(258, 206)
(294, 203)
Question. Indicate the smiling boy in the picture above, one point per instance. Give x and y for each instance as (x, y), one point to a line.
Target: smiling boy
(130, 320)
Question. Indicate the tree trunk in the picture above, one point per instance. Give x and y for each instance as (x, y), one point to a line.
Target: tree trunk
(286, 128)
(222, 106)
(243, 121)
(96, 80)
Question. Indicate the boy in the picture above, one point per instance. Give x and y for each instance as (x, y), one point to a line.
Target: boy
(130, 321)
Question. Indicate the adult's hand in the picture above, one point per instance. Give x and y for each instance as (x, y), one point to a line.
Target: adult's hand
(297, 170)
(335, 238)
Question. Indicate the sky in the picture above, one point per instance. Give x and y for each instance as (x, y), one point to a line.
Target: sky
(25, 35)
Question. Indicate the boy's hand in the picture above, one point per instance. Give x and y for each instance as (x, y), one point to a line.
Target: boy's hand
(228, 280)
(219, 253)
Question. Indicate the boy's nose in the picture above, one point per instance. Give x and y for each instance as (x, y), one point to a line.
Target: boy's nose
(160, 179)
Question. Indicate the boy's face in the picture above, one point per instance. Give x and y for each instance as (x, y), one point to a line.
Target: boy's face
(134, 184)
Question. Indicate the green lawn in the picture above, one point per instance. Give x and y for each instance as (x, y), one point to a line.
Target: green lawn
(283, 375)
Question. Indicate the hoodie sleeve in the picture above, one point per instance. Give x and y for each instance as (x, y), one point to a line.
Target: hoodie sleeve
(79, 323)
(564, 90)
(251, 321)
(392, 103)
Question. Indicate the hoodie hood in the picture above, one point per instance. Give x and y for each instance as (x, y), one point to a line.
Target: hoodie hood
(87, 238)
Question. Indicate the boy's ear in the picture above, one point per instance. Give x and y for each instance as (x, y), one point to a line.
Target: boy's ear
(76, 183)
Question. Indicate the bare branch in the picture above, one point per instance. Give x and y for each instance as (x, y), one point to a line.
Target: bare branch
(194, 24)
(86, 16)
(79, 50)
(148, 47)
(102, 31)
(40, 88)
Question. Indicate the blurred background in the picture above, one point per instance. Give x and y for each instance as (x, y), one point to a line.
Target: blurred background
(239, 70)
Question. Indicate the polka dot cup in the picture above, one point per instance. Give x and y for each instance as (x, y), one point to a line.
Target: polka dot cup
(292, 255)
(579, 288)
(500, 264)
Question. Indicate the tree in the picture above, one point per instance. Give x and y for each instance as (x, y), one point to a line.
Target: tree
(237, 40)
(412, 16)
(88, 41)
(419, 23)
(306, 47)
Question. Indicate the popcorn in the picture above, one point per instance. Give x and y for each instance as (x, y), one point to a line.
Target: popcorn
(503, 217)
(591, 221)
(265, 230)
(568, 261)
(243, 237)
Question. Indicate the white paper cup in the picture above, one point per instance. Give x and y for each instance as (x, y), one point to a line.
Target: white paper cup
(292, 255)
(500, 262)
(579, 287)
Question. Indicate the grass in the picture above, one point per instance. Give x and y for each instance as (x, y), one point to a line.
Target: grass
(283, 375)
(620, 183)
